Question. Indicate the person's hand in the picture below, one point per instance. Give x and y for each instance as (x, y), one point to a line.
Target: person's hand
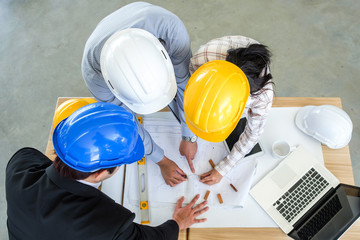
(171, 173)
(188, 149)
(186, 216)
(211, 177)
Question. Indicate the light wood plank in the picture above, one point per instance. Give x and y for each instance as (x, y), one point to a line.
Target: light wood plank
(304, 101)
(236, 233)
(183, 234)
(255, 233)
(338, 161)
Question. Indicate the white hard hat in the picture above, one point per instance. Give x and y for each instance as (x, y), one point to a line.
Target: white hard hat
(328, 124)
(138, 70)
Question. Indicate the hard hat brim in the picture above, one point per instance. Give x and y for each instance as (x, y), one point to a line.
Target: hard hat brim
(138, 152)
(210, 137)
(300, 115)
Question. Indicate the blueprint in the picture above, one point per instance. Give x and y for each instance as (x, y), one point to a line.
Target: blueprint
(166, 132)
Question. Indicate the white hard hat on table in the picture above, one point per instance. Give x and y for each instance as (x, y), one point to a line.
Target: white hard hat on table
(328, 124)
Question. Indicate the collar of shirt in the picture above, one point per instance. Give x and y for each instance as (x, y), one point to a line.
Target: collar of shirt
(95, 185)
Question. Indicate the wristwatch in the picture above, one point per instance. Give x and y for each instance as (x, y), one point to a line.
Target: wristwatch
(190, 139)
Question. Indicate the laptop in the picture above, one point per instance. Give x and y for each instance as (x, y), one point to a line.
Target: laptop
(230, 141)
(306, 200)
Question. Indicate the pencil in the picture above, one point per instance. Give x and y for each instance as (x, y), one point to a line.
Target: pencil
(233, 187)
(212, 163)
(220, 199)
(207, 194)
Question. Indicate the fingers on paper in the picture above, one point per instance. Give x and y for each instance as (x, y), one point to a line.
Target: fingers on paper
(181, 175)
(174, 182)
(199, 207)
(193, 201)
(198, 213)
(191, 165)
(180, 202)
(209, 180)
(205, 177)
(200, 220)
(178, 178)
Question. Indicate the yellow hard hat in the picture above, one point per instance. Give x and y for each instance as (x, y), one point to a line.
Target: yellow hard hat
(214, 100)
(68, 107)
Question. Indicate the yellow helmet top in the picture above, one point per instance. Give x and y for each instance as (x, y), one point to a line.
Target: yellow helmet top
(214, 100)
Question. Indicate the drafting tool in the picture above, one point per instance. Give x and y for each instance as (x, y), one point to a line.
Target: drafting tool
(144, 203)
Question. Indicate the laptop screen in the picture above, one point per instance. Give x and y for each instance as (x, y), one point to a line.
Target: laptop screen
(333, 215)
(353, 195)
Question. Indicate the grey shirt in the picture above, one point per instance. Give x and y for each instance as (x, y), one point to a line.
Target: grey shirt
(163, 25)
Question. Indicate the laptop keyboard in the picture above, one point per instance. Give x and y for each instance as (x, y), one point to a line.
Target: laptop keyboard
(291, 203)
(320, 219)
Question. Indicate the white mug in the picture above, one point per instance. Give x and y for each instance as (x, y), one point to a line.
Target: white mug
(281, 149)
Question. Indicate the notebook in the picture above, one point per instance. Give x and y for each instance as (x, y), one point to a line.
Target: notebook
(305, 199)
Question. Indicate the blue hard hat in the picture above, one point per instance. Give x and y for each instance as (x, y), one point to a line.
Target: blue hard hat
(98, 136)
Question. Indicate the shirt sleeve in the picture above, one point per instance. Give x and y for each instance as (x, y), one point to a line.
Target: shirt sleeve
(152, 151)
(257, 114)
(206, 53)
(180, 54)
(217, 49)
(26, 159)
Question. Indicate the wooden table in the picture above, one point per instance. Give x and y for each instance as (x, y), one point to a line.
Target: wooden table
(337, 161)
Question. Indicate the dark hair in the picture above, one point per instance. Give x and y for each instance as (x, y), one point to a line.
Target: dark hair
(68, 172)
(252, 60)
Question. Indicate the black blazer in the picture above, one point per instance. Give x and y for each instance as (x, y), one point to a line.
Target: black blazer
(44, 205)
